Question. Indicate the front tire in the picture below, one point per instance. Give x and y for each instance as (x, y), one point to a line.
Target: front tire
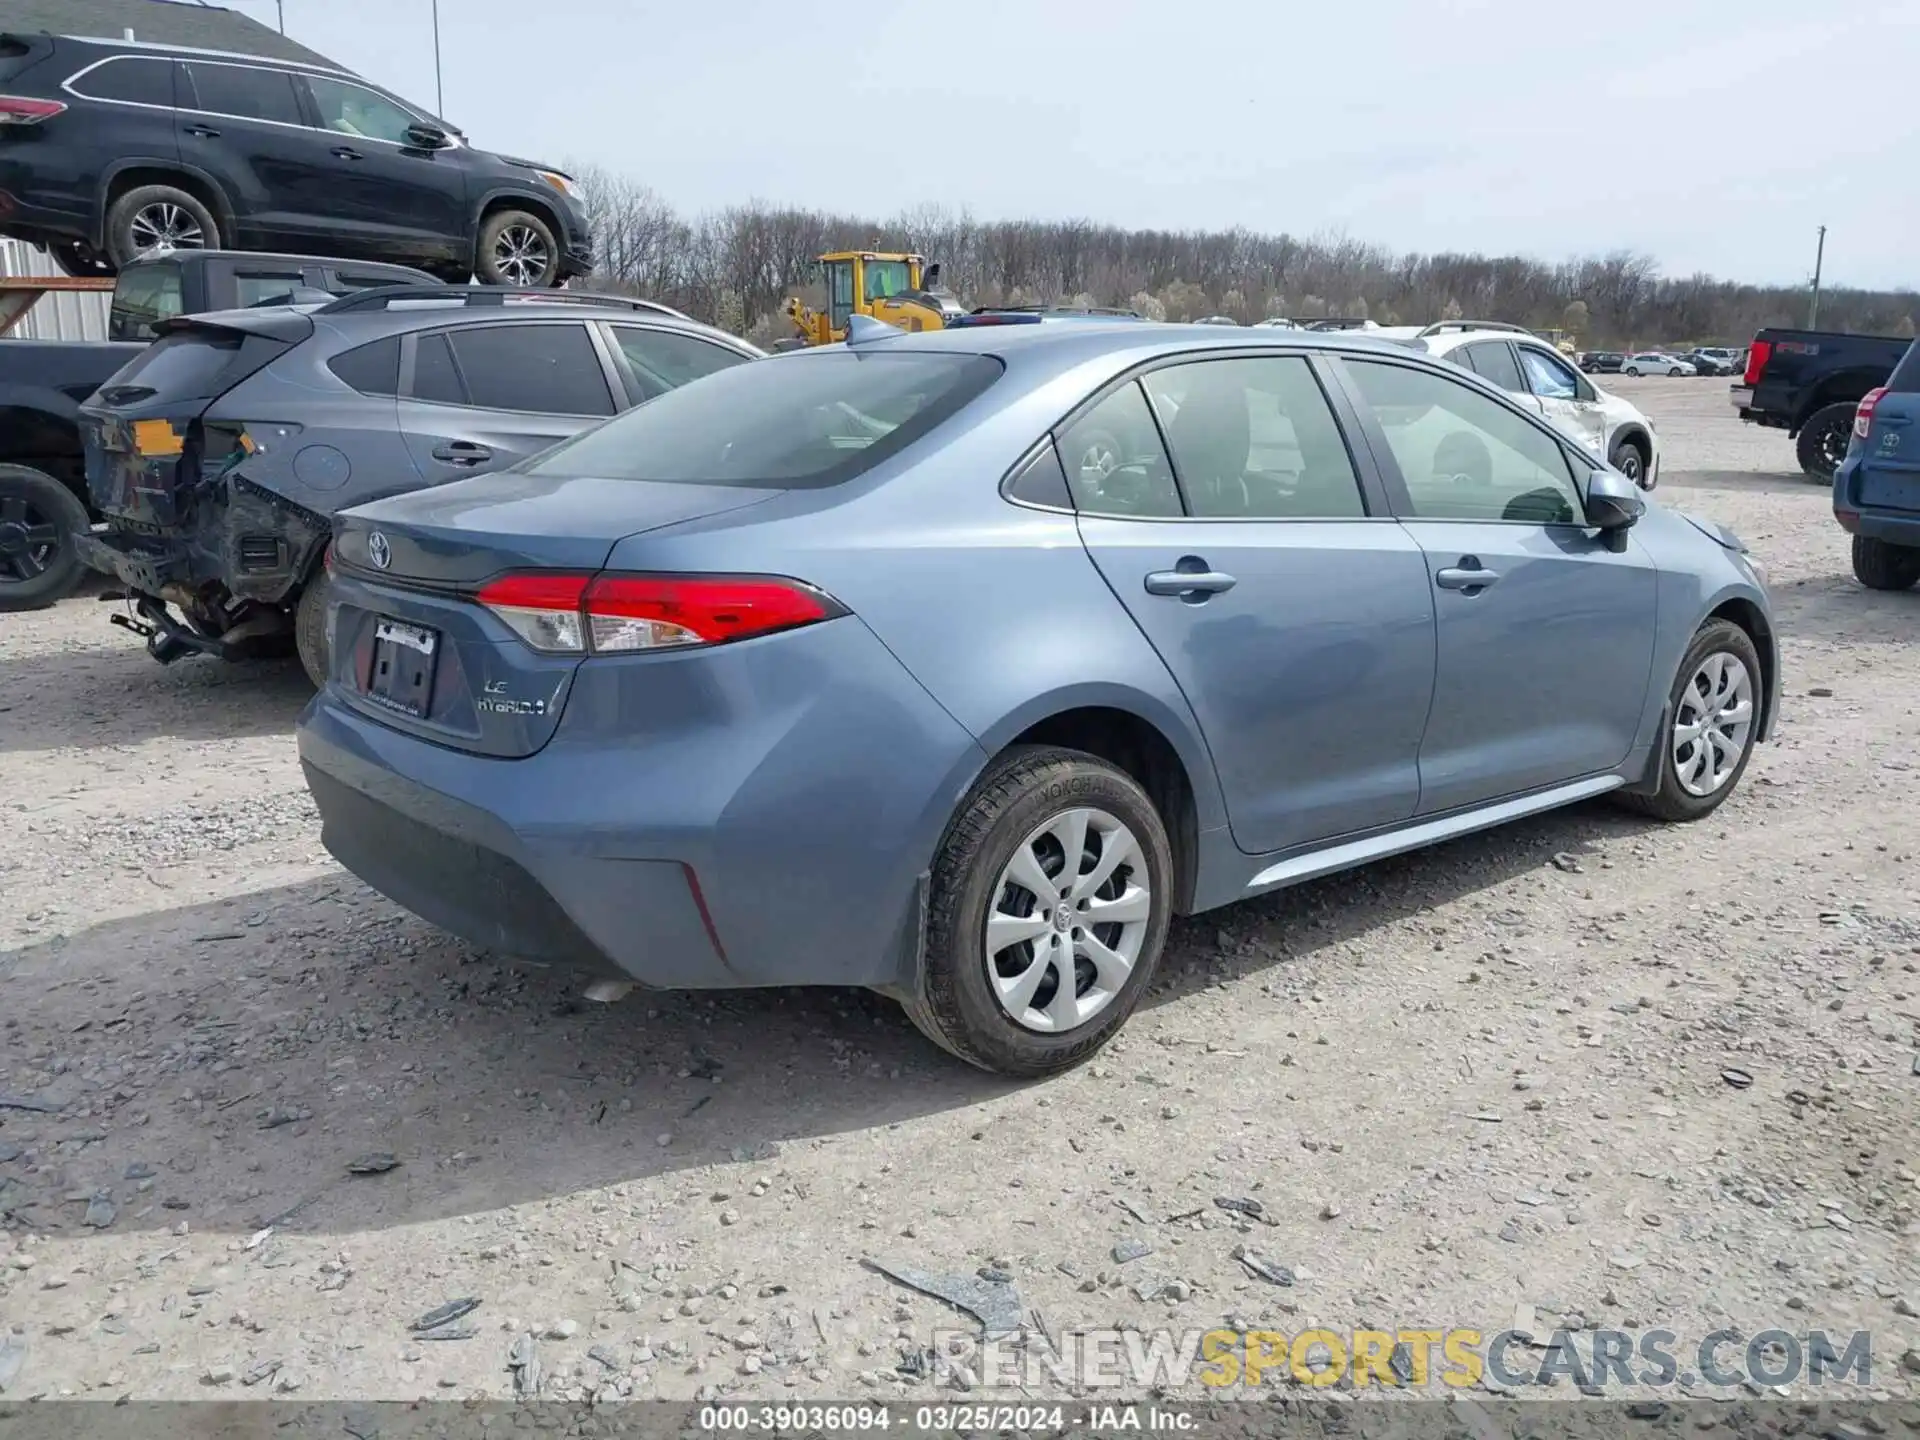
(1713, 713)
(39, 518)
(151, 219)
(517, 248)
(1036, 955)
(1627, 459)
(1823, 440)
(1879, 565)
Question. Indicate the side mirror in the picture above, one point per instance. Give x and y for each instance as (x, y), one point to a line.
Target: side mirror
(1613, 501)
(427, 137)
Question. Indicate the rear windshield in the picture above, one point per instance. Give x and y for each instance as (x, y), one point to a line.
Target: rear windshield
(1906, 375)
(186, 365)
(790, 422)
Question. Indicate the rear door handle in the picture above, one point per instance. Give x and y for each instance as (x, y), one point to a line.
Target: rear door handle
(1467, 575)
(205, 132)
(1894, 422)
(462, 452)
(347, 152)
(1189, 582)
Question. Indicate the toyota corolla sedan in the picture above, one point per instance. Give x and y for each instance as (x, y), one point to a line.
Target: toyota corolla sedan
(832, 670)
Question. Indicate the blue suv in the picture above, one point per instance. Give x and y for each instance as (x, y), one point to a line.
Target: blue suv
(1876, 490)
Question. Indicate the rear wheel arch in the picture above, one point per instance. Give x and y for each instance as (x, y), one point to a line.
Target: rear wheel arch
(1142, 750)
(134, 173)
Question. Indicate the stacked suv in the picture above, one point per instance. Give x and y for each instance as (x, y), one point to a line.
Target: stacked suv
(112, 149)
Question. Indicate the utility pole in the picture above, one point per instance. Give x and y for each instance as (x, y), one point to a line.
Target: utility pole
(1820, 254)
(439, 97)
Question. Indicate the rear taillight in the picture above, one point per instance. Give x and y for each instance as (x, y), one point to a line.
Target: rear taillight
(621, 614)
(1757, 360)
(1863, 417)
(24, 110)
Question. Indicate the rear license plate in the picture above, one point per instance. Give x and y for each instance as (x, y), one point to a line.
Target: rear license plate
(401, 677)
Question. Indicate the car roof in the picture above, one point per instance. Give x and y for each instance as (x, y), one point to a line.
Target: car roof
(358, 327)
(1039, 351)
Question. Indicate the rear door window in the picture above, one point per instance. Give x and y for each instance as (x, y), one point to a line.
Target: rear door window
(435, 376)
(144, 294)
(549, 369)
(131, 79)
(1493, 360)
(1115, 461)
(790, 422)
(246, 92)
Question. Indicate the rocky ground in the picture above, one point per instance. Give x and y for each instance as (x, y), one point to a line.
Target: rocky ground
(256, 1122)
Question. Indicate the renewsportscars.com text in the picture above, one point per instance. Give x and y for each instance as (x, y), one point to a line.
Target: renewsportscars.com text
(1409, 1358)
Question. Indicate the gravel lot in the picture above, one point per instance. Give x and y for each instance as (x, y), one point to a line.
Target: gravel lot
(1481, 1081)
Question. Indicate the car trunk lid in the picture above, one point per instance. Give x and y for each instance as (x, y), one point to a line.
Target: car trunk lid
(415, 649)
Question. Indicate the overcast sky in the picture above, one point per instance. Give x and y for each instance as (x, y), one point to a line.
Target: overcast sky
(1712, 134)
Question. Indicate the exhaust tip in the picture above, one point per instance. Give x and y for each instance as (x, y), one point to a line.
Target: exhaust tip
(606, 992)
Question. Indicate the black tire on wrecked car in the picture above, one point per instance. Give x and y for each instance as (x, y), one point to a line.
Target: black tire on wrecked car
(1627, 459)
(1036, 955)
(1822, 443)
(1879, 565)
(310, 629)
(39, 518)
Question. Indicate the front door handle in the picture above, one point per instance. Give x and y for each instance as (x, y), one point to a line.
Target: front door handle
(1469, 576)
(347, 152)
(462, 452)
(205, 132)
(1189, 584)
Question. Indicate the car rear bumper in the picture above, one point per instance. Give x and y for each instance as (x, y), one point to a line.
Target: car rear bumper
(1860, 503)
(779, 841)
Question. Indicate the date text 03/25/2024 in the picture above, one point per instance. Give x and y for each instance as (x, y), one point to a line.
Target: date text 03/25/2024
(940, 1419)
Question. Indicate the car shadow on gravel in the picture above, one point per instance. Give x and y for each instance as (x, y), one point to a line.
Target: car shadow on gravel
(227, 1064)
(110, 694)
(1836, 609)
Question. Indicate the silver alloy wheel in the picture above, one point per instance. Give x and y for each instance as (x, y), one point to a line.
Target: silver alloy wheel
(164, 226)
(1067, 920)
(520, 254)
(1712, 724)
(1630, 464)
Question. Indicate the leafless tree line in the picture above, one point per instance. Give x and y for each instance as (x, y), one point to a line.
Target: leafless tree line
(736, 267)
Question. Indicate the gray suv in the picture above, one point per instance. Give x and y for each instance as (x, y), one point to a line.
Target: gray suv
(220, 455)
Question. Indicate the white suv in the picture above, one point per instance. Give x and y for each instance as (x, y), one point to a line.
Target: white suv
(1518, 361)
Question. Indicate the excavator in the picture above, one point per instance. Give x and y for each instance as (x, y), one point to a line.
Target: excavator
(897, 288)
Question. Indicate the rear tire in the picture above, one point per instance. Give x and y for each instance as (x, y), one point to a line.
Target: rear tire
(1677, 799)
(1879, 565)
(1823, 440)
(1631, 371)
(310, 629)
(149, 215)
(39, 518)
(518, 249)
(1005, 827)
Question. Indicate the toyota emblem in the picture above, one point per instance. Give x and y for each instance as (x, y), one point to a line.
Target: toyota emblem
(378, 551)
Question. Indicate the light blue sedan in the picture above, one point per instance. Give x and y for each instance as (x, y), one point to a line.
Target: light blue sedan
(956, 664)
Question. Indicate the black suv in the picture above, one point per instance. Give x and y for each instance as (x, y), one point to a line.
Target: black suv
(112, 148)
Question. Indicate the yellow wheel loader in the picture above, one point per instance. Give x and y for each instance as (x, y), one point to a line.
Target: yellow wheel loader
(898, 289)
